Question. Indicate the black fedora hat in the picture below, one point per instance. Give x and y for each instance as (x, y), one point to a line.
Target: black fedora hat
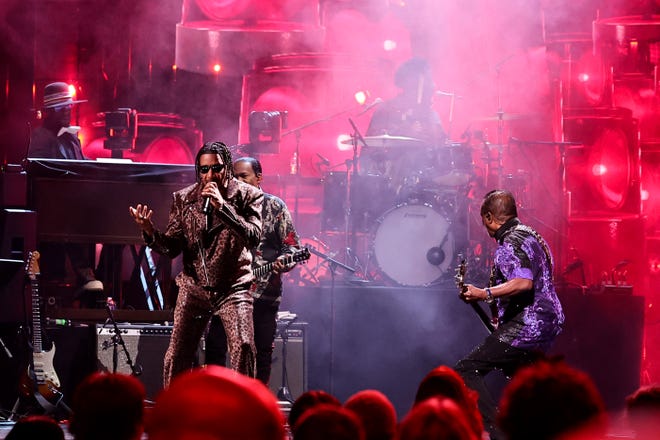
(58, 95)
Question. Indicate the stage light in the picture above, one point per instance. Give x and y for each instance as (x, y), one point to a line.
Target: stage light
(73, 91)
(389, 45)
(361, 96)
(217, 68)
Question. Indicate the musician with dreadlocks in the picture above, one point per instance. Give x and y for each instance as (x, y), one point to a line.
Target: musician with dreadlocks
(213, 223)
(529, 314)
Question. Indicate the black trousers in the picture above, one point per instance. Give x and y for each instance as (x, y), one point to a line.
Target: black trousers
(265, 327)
(491, 355)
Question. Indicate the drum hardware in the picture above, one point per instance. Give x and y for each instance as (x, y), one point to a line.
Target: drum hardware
(332, 265)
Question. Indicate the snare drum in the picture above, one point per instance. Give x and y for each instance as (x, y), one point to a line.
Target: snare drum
(413, 244)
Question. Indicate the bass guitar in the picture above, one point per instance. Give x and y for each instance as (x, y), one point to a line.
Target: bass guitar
(489, 322)
(40, 380)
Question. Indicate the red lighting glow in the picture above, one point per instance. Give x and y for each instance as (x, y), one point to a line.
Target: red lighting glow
(583, 77)
(72, 90)
(598, 169)
(217, 68)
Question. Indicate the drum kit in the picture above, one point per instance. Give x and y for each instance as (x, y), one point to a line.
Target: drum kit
(408, 200)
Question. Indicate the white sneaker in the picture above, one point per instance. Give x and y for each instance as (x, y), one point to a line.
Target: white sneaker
(93, 285)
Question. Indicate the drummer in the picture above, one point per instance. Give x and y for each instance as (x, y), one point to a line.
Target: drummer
(410, 113)
(408, 122)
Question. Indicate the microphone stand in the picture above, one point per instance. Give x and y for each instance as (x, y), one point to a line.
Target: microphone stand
(333, 264)
(117, 339)
(283, 393)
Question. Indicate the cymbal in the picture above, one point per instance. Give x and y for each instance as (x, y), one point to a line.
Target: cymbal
(386, 141)
(502, 116)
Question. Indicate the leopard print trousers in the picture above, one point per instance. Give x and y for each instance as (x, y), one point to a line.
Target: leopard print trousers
(191, 316)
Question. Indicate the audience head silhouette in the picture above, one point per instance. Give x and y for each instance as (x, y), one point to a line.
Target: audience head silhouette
(308, 400)
(108, 406)
(643, 412)
(444, 381)
(215, 403)
(550, 399)
(436, 418)
(376, 413)
(328, 422)
(36, 427)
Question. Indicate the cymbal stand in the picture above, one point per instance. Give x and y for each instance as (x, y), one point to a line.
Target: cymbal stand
(500, 130)
(298, 133)
(351, 175)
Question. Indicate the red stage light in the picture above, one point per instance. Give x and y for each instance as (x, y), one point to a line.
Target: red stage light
(611, 167)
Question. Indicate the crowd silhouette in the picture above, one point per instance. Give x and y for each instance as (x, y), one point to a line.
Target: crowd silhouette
(549, 400)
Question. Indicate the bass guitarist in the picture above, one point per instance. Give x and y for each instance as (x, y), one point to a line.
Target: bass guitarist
(279, 240)
(529, 313)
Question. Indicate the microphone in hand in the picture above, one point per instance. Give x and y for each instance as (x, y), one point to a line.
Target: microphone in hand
(206, 205)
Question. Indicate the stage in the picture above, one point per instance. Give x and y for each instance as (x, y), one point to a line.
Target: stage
(364, 337)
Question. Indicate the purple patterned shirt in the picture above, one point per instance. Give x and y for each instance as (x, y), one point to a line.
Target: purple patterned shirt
(532, 319)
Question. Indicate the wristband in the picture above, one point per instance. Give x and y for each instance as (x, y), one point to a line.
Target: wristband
(489, 296)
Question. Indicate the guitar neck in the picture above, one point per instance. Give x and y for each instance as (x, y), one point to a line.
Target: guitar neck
(37, 346)
(483, 316)
(263, 270)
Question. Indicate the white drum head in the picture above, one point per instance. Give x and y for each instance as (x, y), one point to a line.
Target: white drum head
(403, 240)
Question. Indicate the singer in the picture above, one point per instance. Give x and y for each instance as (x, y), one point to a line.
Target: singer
(213, 224)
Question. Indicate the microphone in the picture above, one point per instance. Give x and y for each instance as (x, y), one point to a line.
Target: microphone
(375, 102)
(435, 256)
(324, 160)
(206, 206)
(59, 321)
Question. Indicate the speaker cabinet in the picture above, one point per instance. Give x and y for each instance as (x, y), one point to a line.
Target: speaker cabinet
(146, 345)
(296, 365)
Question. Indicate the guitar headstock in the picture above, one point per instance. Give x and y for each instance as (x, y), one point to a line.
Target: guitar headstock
(32, 265)
(459, 277)
(302, 255)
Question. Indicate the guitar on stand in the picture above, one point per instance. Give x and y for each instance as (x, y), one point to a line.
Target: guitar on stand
(40, 380)
(490, 322)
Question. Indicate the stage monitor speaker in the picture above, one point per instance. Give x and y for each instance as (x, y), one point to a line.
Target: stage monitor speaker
(296, 365)
(146, 344)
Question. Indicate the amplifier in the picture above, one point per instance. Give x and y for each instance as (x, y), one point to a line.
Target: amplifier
(296, 360)
(146, 345)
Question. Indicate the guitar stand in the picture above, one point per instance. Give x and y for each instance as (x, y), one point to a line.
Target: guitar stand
(117, 339)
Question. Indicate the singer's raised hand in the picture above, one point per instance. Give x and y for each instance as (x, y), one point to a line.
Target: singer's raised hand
(212, 191)
(142, 216)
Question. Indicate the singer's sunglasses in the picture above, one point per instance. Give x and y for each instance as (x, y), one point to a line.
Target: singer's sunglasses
(203, 169)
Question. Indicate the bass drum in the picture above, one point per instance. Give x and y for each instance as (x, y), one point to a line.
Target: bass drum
(413, 245)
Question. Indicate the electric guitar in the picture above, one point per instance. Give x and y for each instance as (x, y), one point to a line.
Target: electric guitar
(40, 380)
(489, 322)
(262, 273)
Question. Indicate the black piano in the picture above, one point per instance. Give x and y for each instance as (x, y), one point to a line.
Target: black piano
(87, 201)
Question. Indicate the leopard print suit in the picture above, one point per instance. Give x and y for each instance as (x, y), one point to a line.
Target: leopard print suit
(216, 272)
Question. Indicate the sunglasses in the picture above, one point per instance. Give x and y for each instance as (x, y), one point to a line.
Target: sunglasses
(203, 169)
